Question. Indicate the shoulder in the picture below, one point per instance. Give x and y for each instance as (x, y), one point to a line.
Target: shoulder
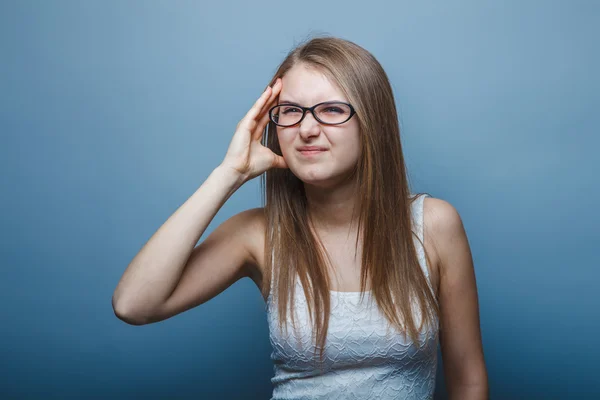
(445, 231)
(251, 219)
(441, 217)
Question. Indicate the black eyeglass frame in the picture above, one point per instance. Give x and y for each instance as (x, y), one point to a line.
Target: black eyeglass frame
(312, 111)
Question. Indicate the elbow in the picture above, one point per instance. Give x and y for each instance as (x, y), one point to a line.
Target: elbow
(127, 315)
(471, 392)
(474, 387)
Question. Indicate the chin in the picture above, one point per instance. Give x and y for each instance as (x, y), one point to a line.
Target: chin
(318, 178)
(319, 175)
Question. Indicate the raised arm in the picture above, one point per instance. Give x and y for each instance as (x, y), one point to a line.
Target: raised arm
(169, 275)
(156, 271)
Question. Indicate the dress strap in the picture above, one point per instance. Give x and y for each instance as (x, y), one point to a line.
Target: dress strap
(418, 218)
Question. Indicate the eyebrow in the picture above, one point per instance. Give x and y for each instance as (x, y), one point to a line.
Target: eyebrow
(298, 104)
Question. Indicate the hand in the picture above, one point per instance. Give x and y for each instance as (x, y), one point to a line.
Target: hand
(246, 155)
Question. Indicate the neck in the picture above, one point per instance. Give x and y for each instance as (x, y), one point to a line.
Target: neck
(331, 209)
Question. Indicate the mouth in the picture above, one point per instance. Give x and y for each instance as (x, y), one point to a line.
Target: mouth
(311, 152)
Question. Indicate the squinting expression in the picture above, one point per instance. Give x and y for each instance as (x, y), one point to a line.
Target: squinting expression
(331, 151)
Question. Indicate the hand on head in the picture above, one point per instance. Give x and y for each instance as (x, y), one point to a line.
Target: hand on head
(246, 155)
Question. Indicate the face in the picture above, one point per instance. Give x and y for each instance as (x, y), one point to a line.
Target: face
(340, 144)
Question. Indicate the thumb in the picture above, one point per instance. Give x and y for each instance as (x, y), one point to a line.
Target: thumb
(278, 162)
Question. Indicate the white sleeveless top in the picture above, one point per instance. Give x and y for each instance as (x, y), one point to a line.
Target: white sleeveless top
(362, 358)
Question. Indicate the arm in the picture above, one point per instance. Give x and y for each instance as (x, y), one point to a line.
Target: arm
(169, 275)
(460, 335)
(153, 275)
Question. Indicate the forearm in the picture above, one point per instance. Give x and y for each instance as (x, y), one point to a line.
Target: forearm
(155, 271)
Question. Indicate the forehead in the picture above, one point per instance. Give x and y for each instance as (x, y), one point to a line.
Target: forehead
(307, 86)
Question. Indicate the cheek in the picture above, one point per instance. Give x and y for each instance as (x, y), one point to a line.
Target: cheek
(286, 140)
(350, 144)
(356, 141)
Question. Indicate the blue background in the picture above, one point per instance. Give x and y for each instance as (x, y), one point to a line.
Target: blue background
(112, 113)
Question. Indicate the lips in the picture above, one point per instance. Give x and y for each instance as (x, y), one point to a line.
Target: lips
(311, 148)
(309, 151)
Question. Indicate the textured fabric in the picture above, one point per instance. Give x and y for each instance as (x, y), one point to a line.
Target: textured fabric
(364, 358)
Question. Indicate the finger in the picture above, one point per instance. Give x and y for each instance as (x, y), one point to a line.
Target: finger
(264, 114)
(260, 128)
(279, 162)
(275, 89)
(258, 105)
(274, 94)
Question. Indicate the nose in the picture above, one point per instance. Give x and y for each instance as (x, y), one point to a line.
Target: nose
(309, 126)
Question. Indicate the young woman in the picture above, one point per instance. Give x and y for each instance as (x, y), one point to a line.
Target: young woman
(361, 278)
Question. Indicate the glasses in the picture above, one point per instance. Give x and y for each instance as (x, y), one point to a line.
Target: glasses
(328, 113)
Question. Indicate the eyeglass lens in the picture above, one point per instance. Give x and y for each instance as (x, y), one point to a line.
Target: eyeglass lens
(330, 113)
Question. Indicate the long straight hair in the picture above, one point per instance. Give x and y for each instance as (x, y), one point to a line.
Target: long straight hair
(389, 257)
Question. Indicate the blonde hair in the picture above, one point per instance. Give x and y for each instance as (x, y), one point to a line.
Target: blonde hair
(389, 257)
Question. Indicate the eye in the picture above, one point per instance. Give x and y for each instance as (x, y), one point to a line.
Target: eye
(334, 110)
(290, 110)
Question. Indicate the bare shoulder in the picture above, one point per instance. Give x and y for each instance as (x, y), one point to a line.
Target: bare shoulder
(441, 217)
(442, 227)
(446, 233)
